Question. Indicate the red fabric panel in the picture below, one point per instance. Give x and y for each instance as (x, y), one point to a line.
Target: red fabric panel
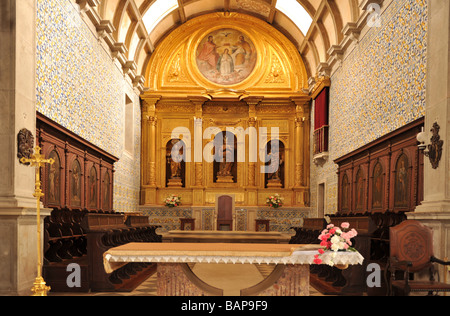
(321, 109)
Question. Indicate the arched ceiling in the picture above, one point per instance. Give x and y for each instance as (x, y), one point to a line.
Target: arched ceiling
(127, 22)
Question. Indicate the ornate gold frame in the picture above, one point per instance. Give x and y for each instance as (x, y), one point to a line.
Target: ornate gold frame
(179, 95)
(279, 71)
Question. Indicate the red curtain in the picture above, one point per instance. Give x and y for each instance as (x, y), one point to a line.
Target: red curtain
(321, 109)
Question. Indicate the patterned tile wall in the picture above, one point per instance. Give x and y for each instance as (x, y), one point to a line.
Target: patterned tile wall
(79, 86)
(281, 220)
(167, 218)
(379, 88)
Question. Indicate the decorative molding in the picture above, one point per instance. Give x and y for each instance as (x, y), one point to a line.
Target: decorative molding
(105, 30)
(435, 148)
(25, 145)
(352, 32)
(319, 84)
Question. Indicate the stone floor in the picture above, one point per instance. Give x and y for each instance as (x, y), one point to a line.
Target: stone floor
(218, 275)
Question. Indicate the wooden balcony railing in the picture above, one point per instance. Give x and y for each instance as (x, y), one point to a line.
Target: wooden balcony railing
(321, 140)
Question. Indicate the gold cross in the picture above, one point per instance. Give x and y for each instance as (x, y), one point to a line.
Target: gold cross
(38, 160)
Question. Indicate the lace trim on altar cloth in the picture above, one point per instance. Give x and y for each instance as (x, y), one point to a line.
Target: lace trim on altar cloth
(112, 262)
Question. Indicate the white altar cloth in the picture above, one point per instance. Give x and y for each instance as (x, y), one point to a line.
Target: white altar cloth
(300, 255)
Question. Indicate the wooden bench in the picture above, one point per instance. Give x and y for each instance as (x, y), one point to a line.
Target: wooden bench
(81, 237)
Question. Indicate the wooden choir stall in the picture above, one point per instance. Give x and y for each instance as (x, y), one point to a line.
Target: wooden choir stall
(78, 188)
(378, 184)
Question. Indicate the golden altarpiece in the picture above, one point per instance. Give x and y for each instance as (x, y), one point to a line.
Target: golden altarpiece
(225, 70)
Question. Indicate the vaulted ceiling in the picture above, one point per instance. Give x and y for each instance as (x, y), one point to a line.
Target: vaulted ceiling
(128, 22)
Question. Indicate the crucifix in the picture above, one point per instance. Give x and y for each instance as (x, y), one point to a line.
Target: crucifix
(37, 160)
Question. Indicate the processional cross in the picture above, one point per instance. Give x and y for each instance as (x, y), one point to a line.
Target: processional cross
(37, 160)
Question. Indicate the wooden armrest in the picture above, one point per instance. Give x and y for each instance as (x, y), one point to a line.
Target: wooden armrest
(439, 261)
(394, 263)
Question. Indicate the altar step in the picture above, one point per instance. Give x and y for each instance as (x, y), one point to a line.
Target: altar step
(324, 287)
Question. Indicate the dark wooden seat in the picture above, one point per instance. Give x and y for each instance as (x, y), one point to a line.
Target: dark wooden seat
(262, 225)
(411, 251)
(225, 213)
(187, 223)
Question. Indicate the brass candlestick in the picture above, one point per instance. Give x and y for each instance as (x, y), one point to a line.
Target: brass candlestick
(37, 160)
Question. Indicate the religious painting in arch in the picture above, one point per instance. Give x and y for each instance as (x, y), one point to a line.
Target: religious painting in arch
(93, 188)
(275, 158)
(401, 194)
(54, 180)
(75, 183)
(360, 185)
(226, 56)
(377, 187)
(175, 163)
(345, 199)
(106, 192)
(225, 158)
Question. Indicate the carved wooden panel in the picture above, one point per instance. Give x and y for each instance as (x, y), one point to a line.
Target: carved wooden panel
(82, 175)
(384, 175)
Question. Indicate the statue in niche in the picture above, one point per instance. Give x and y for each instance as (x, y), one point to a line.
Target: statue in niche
(275, 164)
(377, 187)
(228, 159)
(401, 182)
(174, 163)
(225, 158)
(175, 168)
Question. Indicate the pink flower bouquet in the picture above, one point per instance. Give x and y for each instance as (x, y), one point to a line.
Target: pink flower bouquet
(336, 239)
(173, 201)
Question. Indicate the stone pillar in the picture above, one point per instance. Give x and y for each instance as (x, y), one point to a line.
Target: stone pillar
(434, 211)
(18, 248)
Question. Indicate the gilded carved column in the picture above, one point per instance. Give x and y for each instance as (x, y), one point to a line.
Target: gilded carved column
(149, 141)
(152, 151)
(252, 136)
(299, 158)
(198, 151)
(198, 102)
(252, 149)
(301, 140)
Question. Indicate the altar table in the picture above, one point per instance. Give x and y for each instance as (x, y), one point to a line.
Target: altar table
(210, 236)
(175, 278)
